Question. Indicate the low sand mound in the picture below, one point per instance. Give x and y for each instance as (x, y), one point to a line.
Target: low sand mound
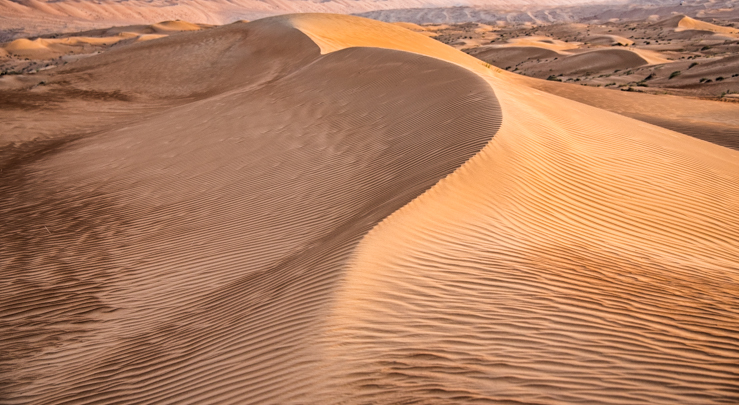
(601, 60)
(32, 49)
(543, 42)
(173, 26)
(610, 40)
(216, 253)
(149, 37)
(512, 55)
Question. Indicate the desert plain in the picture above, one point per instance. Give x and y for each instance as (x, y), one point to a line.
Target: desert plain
(321, 208)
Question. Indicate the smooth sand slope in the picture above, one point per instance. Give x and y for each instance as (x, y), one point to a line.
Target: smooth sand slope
(218, 252)
(712, 121)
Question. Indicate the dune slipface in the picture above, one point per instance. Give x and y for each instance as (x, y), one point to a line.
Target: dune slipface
(365, 216)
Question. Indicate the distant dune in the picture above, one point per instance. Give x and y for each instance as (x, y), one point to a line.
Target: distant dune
(325, 209)
(47, 16)
(513, 55)
(598, 61)
(683, 23)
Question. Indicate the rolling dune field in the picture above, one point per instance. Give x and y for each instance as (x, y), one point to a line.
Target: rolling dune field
(326, 209)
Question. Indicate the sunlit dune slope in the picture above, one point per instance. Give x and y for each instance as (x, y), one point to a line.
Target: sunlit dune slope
(711, 121)
(582, 256)
(189, 258)
(687, 23)
(302, 232)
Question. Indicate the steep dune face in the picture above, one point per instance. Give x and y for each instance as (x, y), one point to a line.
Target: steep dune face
(189, 258)
(308, 236)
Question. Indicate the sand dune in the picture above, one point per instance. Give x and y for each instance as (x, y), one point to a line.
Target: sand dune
(263, 190)
(687, 23)
(344, 211)
(42, 48)
(599, 60)
(87, 42)
(538, 264)
(542, 42)
(609, 40)
(46, 16)
(513, 55)
(686, 27)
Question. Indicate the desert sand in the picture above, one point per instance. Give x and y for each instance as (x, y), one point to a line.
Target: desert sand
(676, 55)
(319, 208)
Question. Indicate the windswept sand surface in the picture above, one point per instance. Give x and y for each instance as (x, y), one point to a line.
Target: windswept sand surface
(327, 209)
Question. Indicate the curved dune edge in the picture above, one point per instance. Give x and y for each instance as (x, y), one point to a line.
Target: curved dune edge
(222, 226)
(582, 256)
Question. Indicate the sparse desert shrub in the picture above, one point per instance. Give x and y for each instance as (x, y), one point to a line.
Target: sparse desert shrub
(720, 78)
(693, 65)
(674, 74)
(554, 78)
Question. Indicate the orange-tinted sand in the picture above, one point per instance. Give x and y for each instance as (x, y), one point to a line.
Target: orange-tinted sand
(322, 209)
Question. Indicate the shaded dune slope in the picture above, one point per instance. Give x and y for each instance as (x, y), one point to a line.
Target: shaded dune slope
(197, 64)
(188, 258)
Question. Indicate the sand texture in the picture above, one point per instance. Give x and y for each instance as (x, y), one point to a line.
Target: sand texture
(325, 209)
